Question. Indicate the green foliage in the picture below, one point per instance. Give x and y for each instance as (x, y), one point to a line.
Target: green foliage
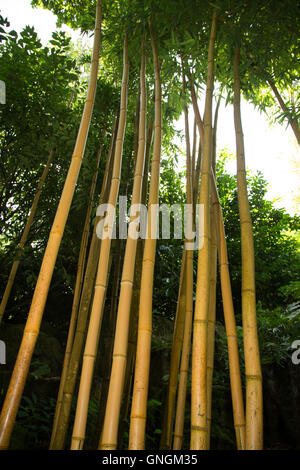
(277, 330)
(39, 369)
(277, 257)
(33, 425)
(39, 81)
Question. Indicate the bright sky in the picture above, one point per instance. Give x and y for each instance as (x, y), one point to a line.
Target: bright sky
(272, 149)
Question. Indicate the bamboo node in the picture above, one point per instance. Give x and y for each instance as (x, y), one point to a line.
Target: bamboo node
(253, 377)
(56, 231)
(100, 286)
(125, 281)
(145, 260)
(120, 355)
(199, 428)
(249, 290)
(31, 331)
(178, 435)
(149, 330)
(90, 355)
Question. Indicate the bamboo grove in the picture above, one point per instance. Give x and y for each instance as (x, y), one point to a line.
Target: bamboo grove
(155, 51)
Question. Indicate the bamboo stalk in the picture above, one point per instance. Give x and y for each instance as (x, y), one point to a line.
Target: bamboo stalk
(77, 290)
(19, 375)
(199, 428)
(23, 240)
(142, 365)
(185, 357)
(59, 436)
(213, 282)
(194, 149)
(293, 122)
(254, 403)
(230, 325)
(211, 322)
(109, 436)
(132, 339)
(101, 278)
(200, 126)
(147, 160)
(115, 296)
(167, 427)
(198, 119)
(109, 343)
(196, 179)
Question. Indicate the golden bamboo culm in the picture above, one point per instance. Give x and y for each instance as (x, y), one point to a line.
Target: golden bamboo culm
(167, 427)
(73, 355)
(230, 324)
(254, 402)
(212, 287)
(24, 236)
(132, 338)
(292, 121)
(94, 328)
(186, 345)
(199, 427)
(77, 289)
(32, 327)
(142, 364)
(109, 436)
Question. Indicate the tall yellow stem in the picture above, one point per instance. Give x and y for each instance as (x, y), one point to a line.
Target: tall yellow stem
(110, 428)
(77, 290)
(95, 322)
(178, 332)
(186, 346)
(141, 376)
(199, 428)
(230, 325)
(32, 327)
(74, 355)
(24, 236)
(254, 402)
